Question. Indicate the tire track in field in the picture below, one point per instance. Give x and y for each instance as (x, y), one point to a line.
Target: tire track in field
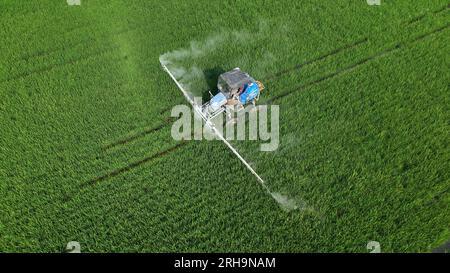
(163, 153)
(168, 108)
(44, 52)
(416, 19)
(442, 9)
(143, 133)
(138, 135)
(357, 64)
(41, 53)
(38, 32)
(351, 45)
(276, 75)
(436, 197)
(320, 58)
(135, 164)
(336, 51)
(51, 67)
(48, 51)
(420, 17)
(273, 76)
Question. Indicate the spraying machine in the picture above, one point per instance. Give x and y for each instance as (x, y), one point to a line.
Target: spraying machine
(236, 89)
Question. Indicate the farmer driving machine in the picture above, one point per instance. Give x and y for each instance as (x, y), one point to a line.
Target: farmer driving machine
(236, 89)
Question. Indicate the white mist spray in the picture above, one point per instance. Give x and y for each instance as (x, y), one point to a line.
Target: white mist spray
(186, 77)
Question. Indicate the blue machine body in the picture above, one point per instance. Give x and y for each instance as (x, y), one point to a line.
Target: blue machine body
(251, 91)
(236, 88)
(217, 101)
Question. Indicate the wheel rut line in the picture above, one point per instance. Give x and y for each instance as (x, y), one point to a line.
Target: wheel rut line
(357, 64)
(51, 67)
(332, 75)
(336, 51)
(442, 9)
(320, 58)
(42, 52)
(143, 133)
(135, 164)
(416, 19)
(48, 51)
(363, 61)
(138, 135)
(167, 109)
(45, 52)
(437, 196)
(422, 36)
(314, 82)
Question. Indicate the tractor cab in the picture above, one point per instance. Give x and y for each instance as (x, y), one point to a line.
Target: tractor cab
(232, 82)
(236, 88)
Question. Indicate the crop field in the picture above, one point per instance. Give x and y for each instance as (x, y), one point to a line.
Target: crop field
(87, 155)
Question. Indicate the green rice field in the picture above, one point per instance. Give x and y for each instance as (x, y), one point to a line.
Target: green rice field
(86, 152)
